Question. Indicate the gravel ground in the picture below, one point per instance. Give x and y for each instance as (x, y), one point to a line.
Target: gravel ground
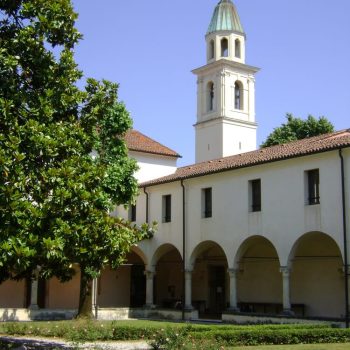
(25, 343)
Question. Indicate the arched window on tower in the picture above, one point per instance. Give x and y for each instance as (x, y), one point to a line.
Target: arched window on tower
(224, 47)
(237, 48)
(210, 96)
(238, 95)
(211, 49)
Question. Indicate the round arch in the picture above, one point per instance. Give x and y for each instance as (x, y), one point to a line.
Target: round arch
(317, 276)
(161, 251)
(210, 96)
(308, 238)
(259, 280)
(238, 95)
(167, 264)
(137, 250)
(125, 285)
(208, 264)
(254, 240)
(201, 248)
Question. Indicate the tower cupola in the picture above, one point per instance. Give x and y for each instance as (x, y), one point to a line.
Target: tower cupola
(225, 18)
(225, 35)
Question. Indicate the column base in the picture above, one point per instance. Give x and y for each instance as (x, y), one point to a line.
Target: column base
(149, 306)
(288, 312)
(189, 308)
(233, 309)
(33, 307)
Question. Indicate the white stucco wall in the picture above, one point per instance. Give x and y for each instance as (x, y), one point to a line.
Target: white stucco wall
(152, 166)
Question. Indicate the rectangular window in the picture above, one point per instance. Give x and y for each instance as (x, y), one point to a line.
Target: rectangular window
(132, 213)
(255, 195)
(166, 207)
(206, 202)
(313, 182)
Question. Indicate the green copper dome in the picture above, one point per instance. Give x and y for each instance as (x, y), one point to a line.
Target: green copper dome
(225, 17)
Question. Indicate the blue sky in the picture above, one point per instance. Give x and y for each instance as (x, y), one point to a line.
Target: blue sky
(150, 47)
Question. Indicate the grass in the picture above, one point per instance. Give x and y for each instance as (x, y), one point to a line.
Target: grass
(344, 346)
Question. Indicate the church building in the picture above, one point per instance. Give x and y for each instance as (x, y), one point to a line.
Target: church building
(243, 233)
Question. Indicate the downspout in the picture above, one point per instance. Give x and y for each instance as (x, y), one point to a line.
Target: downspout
(183, 248)
(144, 190)
(345, 239)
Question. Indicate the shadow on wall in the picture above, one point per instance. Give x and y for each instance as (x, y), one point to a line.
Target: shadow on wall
(18, 314)
(12, 314)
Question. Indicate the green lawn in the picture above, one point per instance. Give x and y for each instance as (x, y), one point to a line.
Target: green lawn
(345, 346)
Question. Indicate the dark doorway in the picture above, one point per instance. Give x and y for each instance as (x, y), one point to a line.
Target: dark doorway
(138, 286)
(41, 293)
(216, 289)
(28, 292)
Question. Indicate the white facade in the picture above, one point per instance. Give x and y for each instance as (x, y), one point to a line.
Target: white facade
(288, 237)
(152, 166)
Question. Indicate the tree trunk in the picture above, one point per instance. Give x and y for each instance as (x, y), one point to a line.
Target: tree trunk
(85, 297)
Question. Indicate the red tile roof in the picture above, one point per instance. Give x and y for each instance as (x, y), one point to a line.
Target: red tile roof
(312, 145)
(138, 142)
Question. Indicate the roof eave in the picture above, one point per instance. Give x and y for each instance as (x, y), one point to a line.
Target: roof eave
(154, 183)
(155, 153)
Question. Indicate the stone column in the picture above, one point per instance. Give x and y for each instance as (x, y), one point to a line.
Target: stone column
(285, 270)
(233, 290)
(94, 292)
(149, 288)
(188, 290)
(34, 295)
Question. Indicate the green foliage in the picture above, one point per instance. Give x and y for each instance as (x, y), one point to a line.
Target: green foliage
(63, 160)
(167, 335)
(172, 339)
(297, 129)
(258, 336)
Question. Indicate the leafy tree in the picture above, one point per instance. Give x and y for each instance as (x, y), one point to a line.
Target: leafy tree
(297, 129)
(63, 161)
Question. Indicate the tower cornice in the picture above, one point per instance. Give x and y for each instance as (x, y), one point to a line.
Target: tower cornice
(223, 63)
(232, 121)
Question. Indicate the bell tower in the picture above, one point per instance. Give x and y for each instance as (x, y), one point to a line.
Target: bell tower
(225, 90)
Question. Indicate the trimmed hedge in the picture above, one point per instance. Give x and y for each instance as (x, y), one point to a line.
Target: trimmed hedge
(276, 336)
(83, 330)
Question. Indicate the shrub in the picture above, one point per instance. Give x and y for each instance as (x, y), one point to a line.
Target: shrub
(193, 336)
(276, 336)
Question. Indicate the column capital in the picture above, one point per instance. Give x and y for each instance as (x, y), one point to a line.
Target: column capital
(285, 270)
(149, 274)
(232, 271)
(346, 269)
(188, 273)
